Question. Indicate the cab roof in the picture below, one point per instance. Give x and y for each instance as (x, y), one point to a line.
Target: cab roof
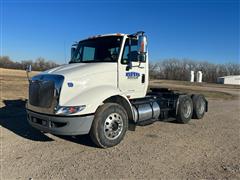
(104, 35)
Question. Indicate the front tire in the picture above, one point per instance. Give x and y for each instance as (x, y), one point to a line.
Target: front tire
(109, 125)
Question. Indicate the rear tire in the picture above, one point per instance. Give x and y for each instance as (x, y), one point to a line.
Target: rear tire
(109, 125)
(199, 106)
(185, 109)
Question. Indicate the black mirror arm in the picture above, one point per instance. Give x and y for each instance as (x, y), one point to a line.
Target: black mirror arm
(129, 65)
(28, 70)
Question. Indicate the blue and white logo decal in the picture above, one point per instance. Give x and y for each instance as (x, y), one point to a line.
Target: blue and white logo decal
(132, 75)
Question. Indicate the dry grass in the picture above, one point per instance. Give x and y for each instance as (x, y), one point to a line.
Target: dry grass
(208, 94)
(210, 90)
(14, 85)
(195, 84)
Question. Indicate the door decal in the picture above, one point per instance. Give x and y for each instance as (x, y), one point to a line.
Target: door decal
(132, 75)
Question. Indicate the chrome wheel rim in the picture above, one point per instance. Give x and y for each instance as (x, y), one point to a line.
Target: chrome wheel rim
(113, 126)
(187, 109)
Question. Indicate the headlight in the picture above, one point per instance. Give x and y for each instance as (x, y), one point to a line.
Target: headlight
(67, 110)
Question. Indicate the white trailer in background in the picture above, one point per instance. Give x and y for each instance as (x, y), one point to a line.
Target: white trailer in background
(233, 80)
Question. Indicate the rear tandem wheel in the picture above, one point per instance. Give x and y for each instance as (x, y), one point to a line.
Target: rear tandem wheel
(199, 106)
(185, 109)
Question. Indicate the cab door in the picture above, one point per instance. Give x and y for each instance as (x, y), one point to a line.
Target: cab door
(133, 82)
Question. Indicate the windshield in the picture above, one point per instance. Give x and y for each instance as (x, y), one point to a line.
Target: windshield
(101, 49)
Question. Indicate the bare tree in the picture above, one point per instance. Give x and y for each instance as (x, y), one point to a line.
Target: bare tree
(40, 64)
(179, 69)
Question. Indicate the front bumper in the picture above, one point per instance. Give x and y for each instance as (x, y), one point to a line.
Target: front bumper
(60, 125)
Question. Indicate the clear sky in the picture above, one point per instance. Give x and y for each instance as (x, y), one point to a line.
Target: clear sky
(196, 29)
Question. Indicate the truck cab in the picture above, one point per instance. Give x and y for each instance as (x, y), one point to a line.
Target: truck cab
(102, 90)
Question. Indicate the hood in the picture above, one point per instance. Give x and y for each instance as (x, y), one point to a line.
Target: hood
(82, 69)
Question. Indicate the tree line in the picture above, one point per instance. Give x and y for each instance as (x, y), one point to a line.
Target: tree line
(172, 69)
(40, 64)
(180, 69)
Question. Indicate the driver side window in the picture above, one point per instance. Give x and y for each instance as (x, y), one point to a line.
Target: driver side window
(125, 55)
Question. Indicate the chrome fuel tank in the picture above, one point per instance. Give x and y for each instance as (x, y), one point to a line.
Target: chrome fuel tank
(146, 111)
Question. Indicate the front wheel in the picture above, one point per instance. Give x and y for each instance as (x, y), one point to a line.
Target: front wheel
(109, 126)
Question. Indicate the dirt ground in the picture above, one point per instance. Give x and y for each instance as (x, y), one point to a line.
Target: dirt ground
(203, 149)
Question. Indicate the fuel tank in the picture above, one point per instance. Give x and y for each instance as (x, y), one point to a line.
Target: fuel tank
(145, 109)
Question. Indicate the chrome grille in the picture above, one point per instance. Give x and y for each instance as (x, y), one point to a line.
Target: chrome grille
(44, 92)
(41, 93)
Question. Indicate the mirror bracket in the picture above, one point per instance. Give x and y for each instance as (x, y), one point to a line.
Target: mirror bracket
(129, 65)
(28, 70)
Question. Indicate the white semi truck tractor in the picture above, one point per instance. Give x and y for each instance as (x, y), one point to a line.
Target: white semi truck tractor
(103, 89)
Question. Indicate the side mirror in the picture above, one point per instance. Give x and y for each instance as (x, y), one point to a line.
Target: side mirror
(73, 49)
(29, 68)
(142, 44)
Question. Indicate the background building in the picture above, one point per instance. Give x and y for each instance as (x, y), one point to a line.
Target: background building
(235, 80)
